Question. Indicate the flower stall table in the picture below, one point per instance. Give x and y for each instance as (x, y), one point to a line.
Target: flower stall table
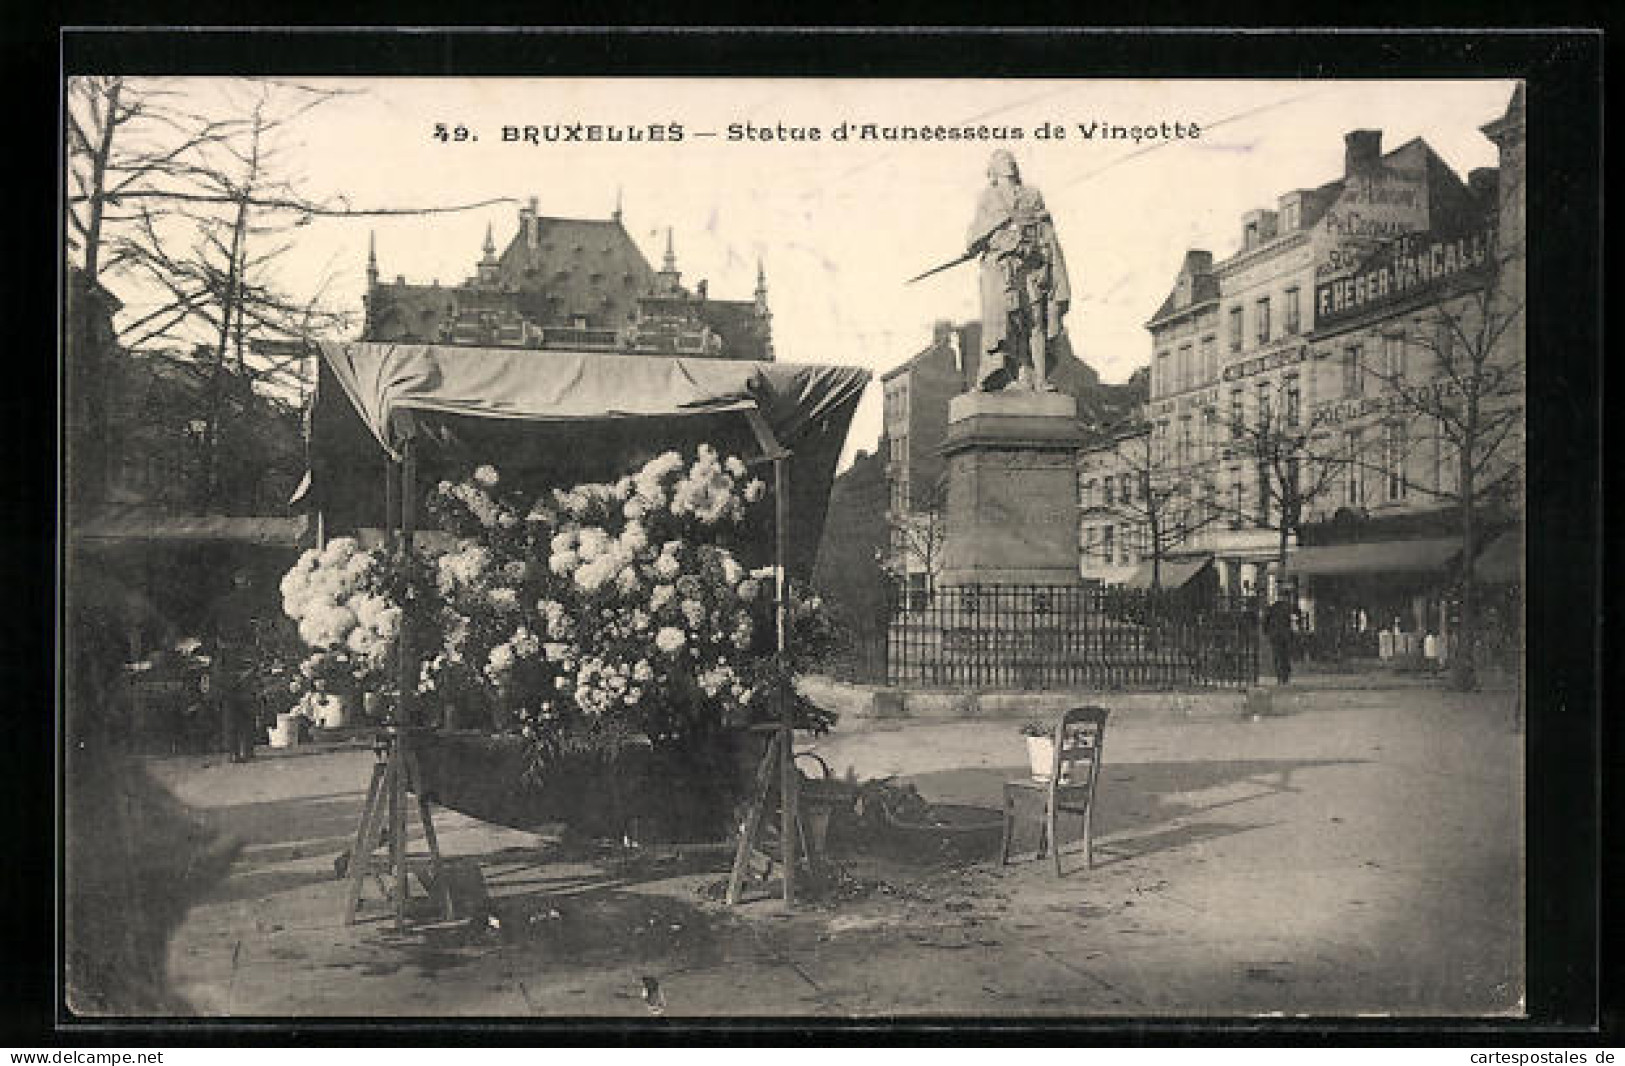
(386, 408)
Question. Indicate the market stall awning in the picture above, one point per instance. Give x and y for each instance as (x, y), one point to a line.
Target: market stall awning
(383, 381)
(1501, 562)
(551, 417)
(1172, 574)
(133, 525)
(1376, 557)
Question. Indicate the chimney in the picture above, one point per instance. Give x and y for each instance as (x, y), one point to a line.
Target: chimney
(527, 223)
(1485, 183)
(701, 287)
(1361, 150)
(1197, 262)
(940, 329)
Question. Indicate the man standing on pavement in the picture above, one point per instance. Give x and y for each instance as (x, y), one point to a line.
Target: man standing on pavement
(1278, 631)
(234, 633)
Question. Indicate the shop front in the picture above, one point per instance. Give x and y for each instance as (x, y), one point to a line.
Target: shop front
(1385, 600)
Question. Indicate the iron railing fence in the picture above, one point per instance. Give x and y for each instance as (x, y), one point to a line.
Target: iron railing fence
(1064, 636)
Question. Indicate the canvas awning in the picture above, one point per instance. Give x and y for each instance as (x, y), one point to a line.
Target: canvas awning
(1376, 557)
(1501, 561)
(136, 525)
(1172, 574)
(562, 417)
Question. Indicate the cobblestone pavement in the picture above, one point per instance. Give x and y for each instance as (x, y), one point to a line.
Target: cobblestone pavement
(1359, 854)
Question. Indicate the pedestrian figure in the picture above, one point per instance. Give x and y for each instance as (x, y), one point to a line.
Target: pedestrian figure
(234, 632)
(1278, 630)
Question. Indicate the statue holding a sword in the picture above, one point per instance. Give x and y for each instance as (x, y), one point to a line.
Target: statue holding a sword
(1024, 286)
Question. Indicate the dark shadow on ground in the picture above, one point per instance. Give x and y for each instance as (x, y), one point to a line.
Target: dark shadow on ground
(1136, 806)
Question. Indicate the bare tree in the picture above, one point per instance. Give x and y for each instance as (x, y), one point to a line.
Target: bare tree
(1292, 457)
(192, 202)
(1466, 399)
(1164, 495)
(916, 534)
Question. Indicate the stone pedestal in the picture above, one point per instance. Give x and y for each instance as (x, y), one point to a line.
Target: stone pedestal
(1012, 490)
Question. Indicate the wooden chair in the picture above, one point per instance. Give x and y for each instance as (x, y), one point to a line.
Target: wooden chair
(1074, 774)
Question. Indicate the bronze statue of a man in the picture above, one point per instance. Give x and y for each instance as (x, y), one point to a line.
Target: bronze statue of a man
(1025, 291)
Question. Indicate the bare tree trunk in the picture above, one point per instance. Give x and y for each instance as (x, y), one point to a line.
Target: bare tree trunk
(1465, 673)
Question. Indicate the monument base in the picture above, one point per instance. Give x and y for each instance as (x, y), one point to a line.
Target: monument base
(1012, 514)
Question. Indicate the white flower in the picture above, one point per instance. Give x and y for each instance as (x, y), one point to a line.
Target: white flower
(504, 599)
(641, 671)
(755, 490)
(486, 475)
(592, 543)
(667, 567)
(564, 563)
(735, 466)
(694, 611)
(339, 550)
(627, 580)
(669, 639)
(749, 589)
(525, 644)
(731, 570)
(556, 652)
(634, 509)
(661, 596)
(634, 538)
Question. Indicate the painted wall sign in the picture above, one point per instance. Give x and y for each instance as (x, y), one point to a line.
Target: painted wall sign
(1410, 266)
(1272, 361)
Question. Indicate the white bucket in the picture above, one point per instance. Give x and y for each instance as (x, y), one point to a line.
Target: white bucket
(285, 734)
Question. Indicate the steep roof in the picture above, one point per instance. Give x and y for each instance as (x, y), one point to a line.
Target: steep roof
(579, 267)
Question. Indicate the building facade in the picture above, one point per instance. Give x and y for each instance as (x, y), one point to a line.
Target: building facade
(1296, 387)
(580, 284)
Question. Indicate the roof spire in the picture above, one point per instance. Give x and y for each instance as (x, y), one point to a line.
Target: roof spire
(372, 257)
(669, 264)
(490, 245)
(761, 286)
(617, 215)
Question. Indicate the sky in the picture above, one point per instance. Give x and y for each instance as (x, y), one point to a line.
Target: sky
(839, 225)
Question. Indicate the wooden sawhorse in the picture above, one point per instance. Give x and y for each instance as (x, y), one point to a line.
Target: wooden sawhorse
(395, 772)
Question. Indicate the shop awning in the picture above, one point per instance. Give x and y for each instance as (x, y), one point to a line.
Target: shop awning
(1376, 557)
(132, 526)
(1173, 573)
(1501, 562)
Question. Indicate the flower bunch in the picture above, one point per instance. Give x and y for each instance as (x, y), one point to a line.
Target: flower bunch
(338, 598)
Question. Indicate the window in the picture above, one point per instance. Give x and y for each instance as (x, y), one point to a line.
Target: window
(1289, 217)
(1356, 468)
(1238, 412)
(1184, 439)
(1353, 372)
(1393, 357)
(1262, 315)
(1238, 500)
(1263, 406)
(1235, 329)
(1106, 488)
(1088, 493)
(1210, 359)
(1250, 235)
(1293, 321)
(1294, 402)
(1186, 372)
(1108, 537)
(1393, 460)
(1264, 495)
(1161, 385)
